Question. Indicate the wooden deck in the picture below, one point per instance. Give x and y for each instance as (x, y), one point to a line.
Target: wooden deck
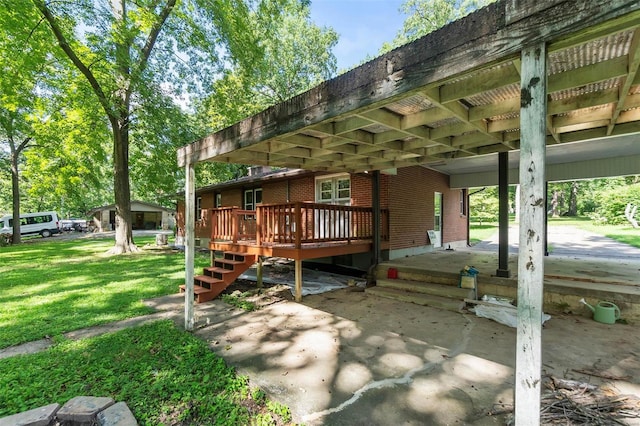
(296, 231)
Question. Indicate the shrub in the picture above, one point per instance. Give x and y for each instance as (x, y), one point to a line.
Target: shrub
(613, 202)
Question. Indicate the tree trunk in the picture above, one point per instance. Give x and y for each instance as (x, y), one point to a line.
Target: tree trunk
(15, 192)
(554, 204)
(573, 200)
(124, 235)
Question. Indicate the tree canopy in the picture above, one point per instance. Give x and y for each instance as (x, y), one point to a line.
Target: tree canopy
(132, 82)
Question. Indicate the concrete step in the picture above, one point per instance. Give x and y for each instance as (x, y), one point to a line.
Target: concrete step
(418, 298)
(442, 290)
(411, 273)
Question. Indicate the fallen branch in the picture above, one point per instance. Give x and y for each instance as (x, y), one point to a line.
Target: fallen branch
(601, 375)
(570, 402)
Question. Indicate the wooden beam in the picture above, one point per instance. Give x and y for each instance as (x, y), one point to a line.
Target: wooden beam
(634, 62)
(594, 73)
(484, 81)
(478, 41)
(189, 245)
(533, 114)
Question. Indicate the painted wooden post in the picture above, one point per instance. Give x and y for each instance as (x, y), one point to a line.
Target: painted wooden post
(503, 217)
(298, 222)
(259, 273)
(533, 111)
(259, 211)
(189, 244)
(298, 278)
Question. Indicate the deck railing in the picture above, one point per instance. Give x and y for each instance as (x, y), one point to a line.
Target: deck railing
(296, 223)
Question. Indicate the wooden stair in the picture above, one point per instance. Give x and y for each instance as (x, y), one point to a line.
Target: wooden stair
(217, 277)
(427, 288)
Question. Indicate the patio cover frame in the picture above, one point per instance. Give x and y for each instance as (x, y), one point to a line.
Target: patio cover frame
(517, 75)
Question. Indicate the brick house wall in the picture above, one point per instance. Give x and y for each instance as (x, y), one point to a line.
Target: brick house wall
(411, 205)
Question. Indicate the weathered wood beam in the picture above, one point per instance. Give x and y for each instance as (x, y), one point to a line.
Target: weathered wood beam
(435, 96)
(583, 116)
(303, 140)
(481, 40)
(421, 118)
(634, 62)
(533, 114)
(588, 74)
(482, 81)
(583, 126)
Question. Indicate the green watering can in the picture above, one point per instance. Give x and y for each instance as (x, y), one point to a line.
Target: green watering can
(604, 312)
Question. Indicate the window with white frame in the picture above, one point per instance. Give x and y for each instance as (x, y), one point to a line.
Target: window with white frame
(463, 202)
(252, 197)
(334, 190)
(199, 208)
(218, 200)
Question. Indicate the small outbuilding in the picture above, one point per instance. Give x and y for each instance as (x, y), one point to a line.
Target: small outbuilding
(143, 216)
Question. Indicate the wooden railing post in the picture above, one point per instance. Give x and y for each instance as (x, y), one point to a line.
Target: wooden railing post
(235, 225)
(298, 222)
(214, 224)
(259, 226)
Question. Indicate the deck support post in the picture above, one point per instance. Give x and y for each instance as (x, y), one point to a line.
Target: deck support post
(533, 110)
(298, 275)
(189, 244)
(375, 204)
(503, 216)
(546, 218)
(259, 273)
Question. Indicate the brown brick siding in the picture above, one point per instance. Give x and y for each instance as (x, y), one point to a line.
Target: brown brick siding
(411, 194)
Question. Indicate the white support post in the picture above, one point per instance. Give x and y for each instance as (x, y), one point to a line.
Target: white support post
(189, 244)
(533, 111)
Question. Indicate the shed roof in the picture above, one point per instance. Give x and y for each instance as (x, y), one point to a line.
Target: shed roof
(452, 98)
(133, 202)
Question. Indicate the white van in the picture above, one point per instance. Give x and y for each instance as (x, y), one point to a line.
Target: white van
(43, 223)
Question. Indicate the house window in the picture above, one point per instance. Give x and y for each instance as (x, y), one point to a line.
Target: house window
(252, 197)
(334, 190)
(218, 200)
(463, 202)
(199, 208)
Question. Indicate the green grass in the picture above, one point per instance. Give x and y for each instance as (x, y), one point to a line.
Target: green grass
(166, 377)
(482, 232)
(51, 286)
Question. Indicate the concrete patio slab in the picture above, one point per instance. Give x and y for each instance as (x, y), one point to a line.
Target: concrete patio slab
(349, 358)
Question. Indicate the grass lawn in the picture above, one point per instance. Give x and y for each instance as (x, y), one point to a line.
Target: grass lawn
(482, 232)
(52, 286)
(165, 375)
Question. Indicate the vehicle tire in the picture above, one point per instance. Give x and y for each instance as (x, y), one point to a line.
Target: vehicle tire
(45, 233)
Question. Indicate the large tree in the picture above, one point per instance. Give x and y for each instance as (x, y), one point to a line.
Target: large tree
(425, 16)
(297, 55)
(22, 66)
(124, 48)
